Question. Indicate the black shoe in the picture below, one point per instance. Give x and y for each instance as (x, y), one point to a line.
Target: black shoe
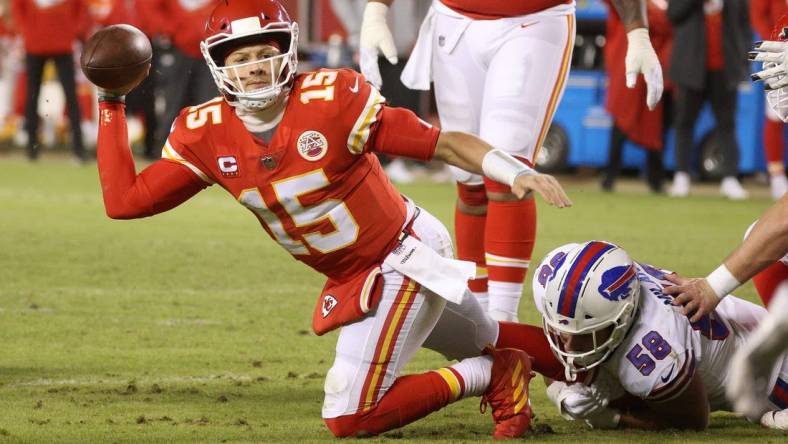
(32, 153)
(607, 184)
(655, 187)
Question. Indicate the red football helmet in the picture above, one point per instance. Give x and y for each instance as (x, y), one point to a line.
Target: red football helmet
(237, 23)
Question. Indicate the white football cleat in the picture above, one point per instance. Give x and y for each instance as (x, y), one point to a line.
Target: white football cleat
(779, 185)
(681, 185)
(732, 189)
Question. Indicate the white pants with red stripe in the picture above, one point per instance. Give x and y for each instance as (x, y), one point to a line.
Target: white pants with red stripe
(501, 79)
(371, 353)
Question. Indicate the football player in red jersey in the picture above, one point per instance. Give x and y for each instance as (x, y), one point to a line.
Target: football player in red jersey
(499, 69)
(297, 151)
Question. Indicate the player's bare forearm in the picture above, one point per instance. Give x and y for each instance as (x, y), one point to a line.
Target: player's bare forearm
(632, 13)
(766, 244)
(385, 2)
(462, 150)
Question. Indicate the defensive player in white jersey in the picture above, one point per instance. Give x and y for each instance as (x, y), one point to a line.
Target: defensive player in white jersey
(499, 69)
(608, 315)
(762, 257)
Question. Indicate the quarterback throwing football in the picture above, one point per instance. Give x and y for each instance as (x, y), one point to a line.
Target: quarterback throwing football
(297, 151)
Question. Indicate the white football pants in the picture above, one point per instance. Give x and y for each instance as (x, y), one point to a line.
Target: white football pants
(370, 353)
(501, 79)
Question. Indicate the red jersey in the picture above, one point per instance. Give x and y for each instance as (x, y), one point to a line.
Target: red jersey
(495, 9)
(765, 14)
(49, 27)
(316, 188)
(108, 12)
(185, 22)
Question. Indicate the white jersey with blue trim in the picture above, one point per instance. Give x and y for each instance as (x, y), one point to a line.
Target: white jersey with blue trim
(662, 350)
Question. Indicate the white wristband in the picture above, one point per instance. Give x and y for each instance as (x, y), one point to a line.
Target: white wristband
(722, 281)
(503, 167)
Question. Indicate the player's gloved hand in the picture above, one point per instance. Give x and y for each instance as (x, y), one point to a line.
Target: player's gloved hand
(375, 37)
(696, 295)
(775, 70)
(577, 401)
(544, 184)
(641, 58)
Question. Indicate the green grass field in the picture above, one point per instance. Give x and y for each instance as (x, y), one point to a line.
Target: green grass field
(194, 326)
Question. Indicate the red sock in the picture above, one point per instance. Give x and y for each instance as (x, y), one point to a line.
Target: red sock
(531, 339)
(509, 236)
(409, 398)
(773, 140)
(469, 232)
(769, 279)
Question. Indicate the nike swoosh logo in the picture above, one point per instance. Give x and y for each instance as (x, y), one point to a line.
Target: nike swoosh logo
(354, 88)
(525, 25)
(667, 378)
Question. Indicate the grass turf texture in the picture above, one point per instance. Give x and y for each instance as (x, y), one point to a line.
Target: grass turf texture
(195, 326)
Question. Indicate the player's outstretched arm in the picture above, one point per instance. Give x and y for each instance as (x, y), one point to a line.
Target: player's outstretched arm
(476, 156)
(766, 244)
(375, 37)
(128, 195)
(640, 58)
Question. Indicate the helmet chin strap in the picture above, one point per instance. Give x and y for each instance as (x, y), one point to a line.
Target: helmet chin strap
(569, 372)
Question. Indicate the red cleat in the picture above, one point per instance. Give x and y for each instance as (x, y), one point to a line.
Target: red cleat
(508, 392)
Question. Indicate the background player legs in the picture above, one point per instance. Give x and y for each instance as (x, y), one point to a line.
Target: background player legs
(142, 99)
(615, 150)
(35, 71)
(688, 103)
(723, 100)
(65, 73)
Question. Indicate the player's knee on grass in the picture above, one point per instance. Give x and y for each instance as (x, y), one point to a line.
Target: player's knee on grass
(337, 389)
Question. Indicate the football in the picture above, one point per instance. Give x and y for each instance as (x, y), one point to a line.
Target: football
(117, 58)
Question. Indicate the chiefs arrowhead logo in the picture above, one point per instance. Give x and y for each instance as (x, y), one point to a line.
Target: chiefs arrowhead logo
(329, 302)
(312, 145)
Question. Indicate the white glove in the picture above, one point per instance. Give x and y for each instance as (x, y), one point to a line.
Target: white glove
(641, 58)
(777, 419)
(375, 35)
(576, 401)
(775, 70)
